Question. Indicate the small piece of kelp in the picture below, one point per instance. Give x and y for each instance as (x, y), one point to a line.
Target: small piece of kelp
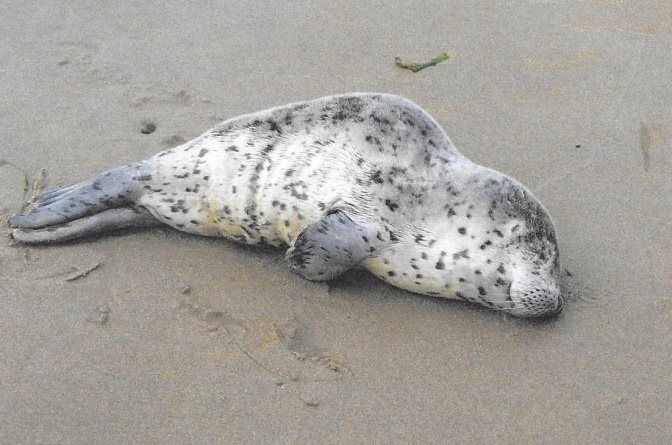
(39, 186)
(41, 183)
(415, 67)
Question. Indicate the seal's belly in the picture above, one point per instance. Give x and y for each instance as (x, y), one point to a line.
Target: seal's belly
(246, 193)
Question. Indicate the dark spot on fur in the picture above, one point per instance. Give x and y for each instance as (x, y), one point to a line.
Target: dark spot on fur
(179, 206)
(375, 177)
(391, 205)
(461, 254)
(297, 189)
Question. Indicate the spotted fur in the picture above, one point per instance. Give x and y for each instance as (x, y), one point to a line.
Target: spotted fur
(357, 179)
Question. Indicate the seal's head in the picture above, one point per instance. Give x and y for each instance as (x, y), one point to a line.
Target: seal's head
(491, 243)
(516, 260)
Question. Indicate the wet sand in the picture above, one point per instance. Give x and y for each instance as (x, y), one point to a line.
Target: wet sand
(180, 339)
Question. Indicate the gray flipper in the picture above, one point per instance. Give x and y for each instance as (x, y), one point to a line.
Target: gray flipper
(115, 188)
(331, 246)
(108, 220)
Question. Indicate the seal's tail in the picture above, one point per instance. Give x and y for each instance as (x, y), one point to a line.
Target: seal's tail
(102, 203)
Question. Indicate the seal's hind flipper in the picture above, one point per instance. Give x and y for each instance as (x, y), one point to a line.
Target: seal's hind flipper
(114, 188)
(331, 246)
(108, 220)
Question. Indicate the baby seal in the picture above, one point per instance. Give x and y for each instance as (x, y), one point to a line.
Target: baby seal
(348, 180)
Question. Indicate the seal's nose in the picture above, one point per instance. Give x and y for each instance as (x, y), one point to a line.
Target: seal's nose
(542, 303)
(552, 309)
(536, 300)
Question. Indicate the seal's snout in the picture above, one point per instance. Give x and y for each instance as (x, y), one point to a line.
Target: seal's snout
(536, 300)
(543, 303)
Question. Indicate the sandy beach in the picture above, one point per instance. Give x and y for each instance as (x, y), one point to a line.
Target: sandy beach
(160, 337)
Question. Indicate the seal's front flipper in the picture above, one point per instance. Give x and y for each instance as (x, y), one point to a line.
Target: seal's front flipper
(331, 246)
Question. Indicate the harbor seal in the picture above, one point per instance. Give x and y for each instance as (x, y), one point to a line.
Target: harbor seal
(357, 179)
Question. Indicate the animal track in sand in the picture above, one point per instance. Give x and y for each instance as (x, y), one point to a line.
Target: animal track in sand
(280, 347)
(283, 346)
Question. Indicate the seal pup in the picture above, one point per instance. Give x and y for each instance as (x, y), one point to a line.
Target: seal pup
(356, 179)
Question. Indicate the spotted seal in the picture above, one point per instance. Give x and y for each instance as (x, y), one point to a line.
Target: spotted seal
(347, 180)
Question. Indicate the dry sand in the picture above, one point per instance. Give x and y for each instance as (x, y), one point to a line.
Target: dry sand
(180, 339)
